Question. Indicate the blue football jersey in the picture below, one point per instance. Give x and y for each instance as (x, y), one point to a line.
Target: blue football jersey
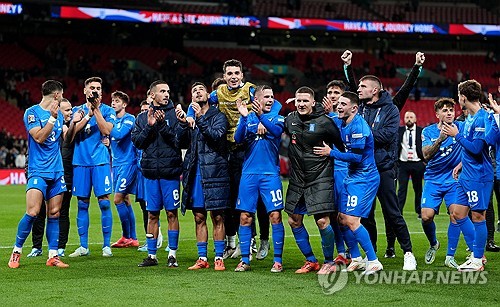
(476, 167)
(45, 157)
(89, 149)
(358, 135)
(122, 148)
(261, 153)
(440, 167)
(338, 165)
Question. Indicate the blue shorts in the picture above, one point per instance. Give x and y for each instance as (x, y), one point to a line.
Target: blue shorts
(475, 195)
(86, 177)
(359, 193)
(338, 177)
(434, 193)
(198, 199)
(269, 187)
(50, 184)
(124, 177)
(301, 208)
(140, 186)
(162, 194)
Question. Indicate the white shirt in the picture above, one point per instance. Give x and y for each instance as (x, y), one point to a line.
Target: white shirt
(409, 154)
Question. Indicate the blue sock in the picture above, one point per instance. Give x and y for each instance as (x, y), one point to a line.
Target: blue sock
(245, 236)
(467, 229)
(173, 239)
(52, 232)
(131, 219)
(123, 214)
(480, 239)
(219, 248)
(327, 239)
(202, 249)
(339, 238)
(278, 240)
(363, 239)
(351, 242)
(82, 221)
(106, 221)
(453, 237)
(24, 229)
(151, 242)
(302, 239)
(430, 232)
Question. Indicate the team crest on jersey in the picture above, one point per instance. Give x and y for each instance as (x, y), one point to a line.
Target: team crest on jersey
(31, 119)
(312, 127)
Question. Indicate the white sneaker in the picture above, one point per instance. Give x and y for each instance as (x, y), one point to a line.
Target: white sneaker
(35, 252)
(253, 246)
(451, 262)
(410, 263)
(357, 264)
(372, 267)
(471, 255)
(79, 252)
(237, 252)
(430, 255)
(471, 265)
(159, 242)
(106, 252)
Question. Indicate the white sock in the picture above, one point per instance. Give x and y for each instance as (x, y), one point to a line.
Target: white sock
(172, 252)
(152, 256)
(218, 258)
(17, 250)
(204, 258)
(52, 253)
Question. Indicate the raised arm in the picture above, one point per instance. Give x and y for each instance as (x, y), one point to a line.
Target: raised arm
(403, 93)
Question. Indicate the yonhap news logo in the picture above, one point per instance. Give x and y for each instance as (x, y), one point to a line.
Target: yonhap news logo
(336, 281)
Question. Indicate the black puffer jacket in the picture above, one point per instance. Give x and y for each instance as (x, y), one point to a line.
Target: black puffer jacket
(207, 146)
(383, 117)
(311, 175)
(161, 156)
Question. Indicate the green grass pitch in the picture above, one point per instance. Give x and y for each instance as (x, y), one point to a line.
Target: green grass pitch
(115, 281)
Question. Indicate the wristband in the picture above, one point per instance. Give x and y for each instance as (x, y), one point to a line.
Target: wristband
(52, 120)
(87, 117)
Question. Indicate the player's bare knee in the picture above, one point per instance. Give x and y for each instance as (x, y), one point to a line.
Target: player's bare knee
(154, 216)
(200, 218)
(275, 217)
(323, 222)
(103, 197)
(294, 221)
(118, 198)
(478, 216)
(245, 219)
(172, 215)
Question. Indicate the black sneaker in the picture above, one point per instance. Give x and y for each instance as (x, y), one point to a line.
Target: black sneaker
(492, 247)
(148, 262)
(498, 226)
(172, 262)
(390, 253)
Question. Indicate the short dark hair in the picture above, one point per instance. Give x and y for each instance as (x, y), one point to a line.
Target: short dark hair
(93, 79)
(261, 88)
(65, 100)
(471, 89)
(374, 79)
(217, 82)
(197, 84)
(338, 83)
(121, 95)
(232, 62)
(51, 86)
(353, 97)
(144, 103)
(305, 90)
(153, 85)
(442, 102)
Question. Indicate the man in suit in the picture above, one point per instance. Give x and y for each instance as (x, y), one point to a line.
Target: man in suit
(411, 160)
